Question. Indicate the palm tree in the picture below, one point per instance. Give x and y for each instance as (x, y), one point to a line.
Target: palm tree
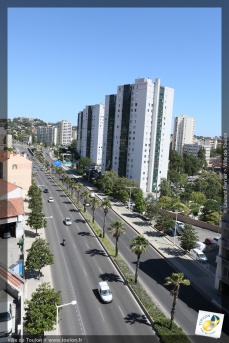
(85, 195)
(176, 279)
(78, 188)
(117, 229)
(106, 204)
(72, 184)
(95, 203)
(138, 246)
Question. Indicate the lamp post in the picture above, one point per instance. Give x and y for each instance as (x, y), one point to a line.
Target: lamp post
(174, 237)
(130, 187)
(73, 302)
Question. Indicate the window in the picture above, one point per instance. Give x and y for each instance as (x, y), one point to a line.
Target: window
(14, 166)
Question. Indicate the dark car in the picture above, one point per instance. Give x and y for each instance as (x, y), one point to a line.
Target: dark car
(80, 221)
(46, 190)
(170, 232)
(6, 235)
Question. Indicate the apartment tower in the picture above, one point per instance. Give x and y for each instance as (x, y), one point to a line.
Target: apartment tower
(90, 132)
(183, 132)
(47, 134)
(137, 128)
(64, 132)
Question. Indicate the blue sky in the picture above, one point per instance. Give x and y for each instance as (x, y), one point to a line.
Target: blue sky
(60, 60)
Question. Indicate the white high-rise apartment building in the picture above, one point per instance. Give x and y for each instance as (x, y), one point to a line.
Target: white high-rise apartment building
(183, 132)
(64, 132)
(137, 128)
(90, 133)
(47, 134)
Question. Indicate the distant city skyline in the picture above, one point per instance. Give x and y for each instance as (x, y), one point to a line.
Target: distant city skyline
(57, 65)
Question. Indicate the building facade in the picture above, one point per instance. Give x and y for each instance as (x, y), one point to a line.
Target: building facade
(193, 149)
(183, 132)
(17, 169)
(90, 133)
(47, 135)
(64, 133)
(137, 132)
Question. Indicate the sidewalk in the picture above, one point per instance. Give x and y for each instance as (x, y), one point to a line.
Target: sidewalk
(32, 283)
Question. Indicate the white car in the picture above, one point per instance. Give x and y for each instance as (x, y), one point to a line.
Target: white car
(50, 199)
(105, 292)
(68, 221)
(92, 195)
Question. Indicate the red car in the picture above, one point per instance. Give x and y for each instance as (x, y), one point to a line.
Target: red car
(209, 241)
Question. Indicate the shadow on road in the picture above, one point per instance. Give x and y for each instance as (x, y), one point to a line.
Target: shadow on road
(94, 252)
(172, 252)
(132, 318)
(84, 233)
(110, 277)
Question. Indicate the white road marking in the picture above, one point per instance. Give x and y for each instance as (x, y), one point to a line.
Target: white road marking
(101, 315)
(121, 311)
(84, 272)
(87, 245)
(100, 270)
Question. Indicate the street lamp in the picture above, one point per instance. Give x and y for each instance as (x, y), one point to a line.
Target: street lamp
(174, 237)
(73, 302)
(130, 187)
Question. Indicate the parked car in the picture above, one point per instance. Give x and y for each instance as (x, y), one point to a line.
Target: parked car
(41, 169)
(216, 239)
(201, 246)
(210, 241)
(105, 292)
(92, 195)
(6, 235)
(46, 190)
(198, 255)
(50, 199)
(68, 221)
(170, 232)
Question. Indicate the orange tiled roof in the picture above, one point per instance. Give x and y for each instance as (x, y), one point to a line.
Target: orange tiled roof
(11, 207)
(6, 187)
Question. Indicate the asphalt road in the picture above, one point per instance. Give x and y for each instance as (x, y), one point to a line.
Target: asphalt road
(78, 268)
(153, 270)
(152, 273)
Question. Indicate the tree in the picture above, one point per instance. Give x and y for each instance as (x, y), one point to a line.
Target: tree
(36, 219)
(152, 209)
(78, 188)
(175, 161)
(84, 163)
(210, 206)
(140, 203)
(86, 196)
(180, 207)
(177, 279)
(165, 188)
(106, 204)
(188, 237)
(198, 198)
(202, 157)
(117, 229)
(138, 246)
(165, 202)
(164, 222)
(192, 164)
(39, 256)
(40, 311)
(95, 203)
(213, 218)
